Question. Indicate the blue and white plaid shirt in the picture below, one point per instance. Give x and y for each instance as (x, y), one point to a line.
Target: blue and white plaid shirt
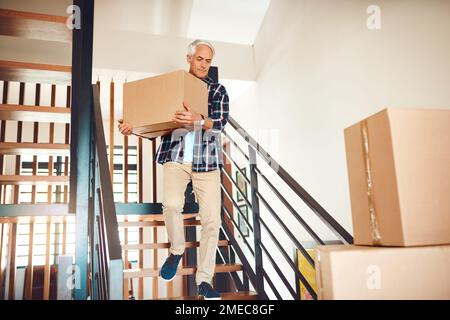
(207, 143)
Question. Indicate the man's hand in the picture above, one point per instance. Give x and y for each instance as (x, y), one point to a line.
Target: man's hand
(124, 128)
(186, 117)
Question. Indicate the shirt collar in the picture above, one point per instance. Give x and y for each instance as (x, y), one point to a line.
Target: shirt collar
(208, 80)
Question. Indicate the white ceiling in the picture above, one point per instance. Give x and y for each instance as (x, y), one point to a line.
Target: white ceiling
(235, 21)
(232, 21)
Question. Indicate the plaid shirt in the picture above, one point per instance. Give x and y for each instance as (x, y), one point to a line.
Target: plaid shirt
(207, 143)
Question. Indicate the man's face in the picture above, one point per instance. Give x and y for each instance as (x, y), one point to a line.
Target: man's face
(200, 62)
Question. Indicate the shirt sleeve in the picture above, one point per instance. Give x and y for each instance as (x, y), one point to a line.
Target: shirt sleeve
(220, 109)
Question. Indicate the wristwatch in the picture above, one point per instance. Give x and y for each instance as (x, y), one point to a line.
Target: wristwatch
(202, 122)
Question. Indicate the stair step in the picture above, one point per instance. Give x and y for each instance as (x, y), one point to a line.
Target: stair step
(152, 217)
(33, 180)
(139, 273)
(34, 114)
(44, 149)
(241, 295)
(34, 72)
(33, 25)
(142, 224)
(166, 245)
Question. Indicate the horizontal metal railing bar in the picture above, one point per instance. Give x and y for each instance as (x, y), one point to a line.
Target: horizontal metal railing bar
(286, 230)
(235, 144)
(269, 281)
(288, 259)
(280, 273)
(237, 206)
(233, 275)
(238, 189)
(338, 230)
(240, 232)
(236, 165)
(149, 208)
(34, 210)
(291, 209)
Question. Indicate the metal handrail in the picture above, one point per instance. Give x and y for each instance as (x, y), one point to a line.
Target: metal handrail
(107, 244)
(286, 256)
(338, 230)
(261, 274)
(237, 207)
(291, 209)
(240, 232)
(286, 230)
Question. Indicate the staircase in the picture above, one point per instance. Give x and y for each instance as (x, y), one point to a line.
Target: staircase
(184, 270)
(258, 249)
(12, 210)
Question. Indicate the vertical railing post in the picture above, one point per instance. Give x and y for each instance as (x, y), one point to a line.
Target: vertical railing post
(80, 138)
(256, 221)
(222, 284)
(91, 214)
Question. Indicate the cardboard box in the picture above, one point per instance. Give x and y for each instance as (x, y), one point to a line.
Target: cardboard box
(346, 272)
(407, 161)
(149, 104)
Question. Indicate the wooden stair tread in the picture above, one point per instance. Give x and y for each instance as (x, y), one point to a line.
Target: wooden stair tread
(34, 113)
(166, 245)
(33, 25)
(149, 272)
(157, 223)
(34, 72)
(241, 295)
(16, 148)
(151, 217)
(33, 180)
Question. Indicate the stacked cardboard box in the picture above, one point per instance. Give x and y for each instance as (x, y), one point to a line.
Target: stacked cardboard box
(399, 174)
(149, 104)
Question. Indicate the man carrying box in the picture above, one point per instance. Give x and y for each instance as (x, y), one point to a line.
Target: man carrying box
(197, 158)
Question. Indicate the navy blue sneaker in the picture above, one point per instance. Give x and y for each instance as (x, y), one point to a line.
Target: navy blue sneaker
(169, 268)
(208, 293)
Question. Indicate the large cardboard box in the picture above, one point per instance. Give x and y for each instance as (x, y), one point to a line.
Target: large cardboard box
(345, 272)
(149, 104)
(399, 174)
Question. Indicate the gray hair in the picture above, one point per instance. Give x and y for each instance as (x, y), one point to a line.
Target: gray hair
(193, 46)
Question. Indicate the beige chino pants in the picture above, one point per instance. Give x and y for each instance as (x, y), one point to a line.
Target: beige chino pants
(206, 186)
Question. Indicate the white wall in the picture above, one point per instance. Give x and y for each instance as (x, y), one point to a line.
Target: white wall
(319, 70)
